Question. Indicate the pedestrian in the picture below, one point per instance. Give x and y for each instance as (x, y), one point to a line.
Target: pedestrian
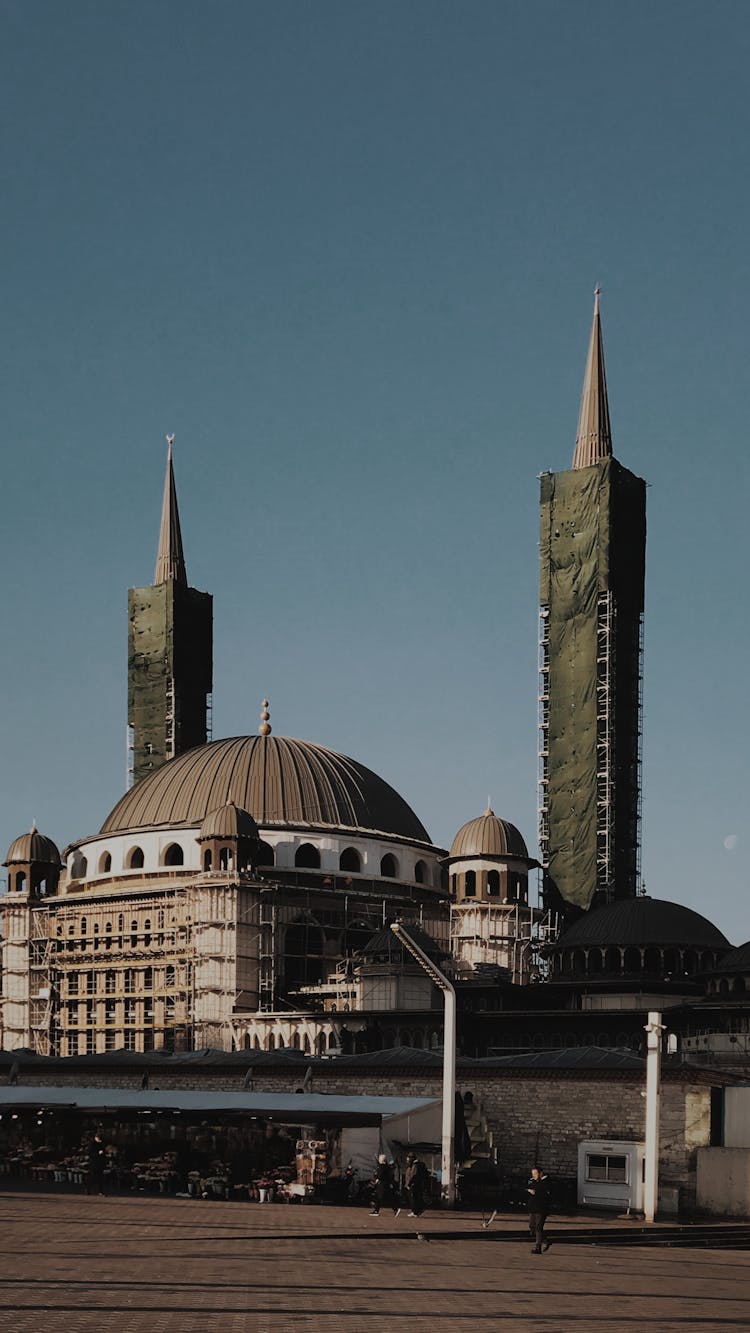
(384, 1188)
(415, 1180)
(97, 1163)
(538, 1190)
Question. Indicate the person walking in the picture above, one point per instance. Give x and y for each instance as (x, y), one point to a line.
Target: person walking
(97, 1163)
(415, 1181)
(538, 1190)
(384, 1191)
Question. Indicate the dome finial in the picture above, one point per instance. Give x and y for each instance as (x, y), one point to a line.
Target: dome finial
(489, 810)
(265, 725)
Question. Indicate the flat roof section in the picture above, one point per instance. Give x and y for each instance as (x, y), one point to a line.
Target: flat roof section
(284, 1107)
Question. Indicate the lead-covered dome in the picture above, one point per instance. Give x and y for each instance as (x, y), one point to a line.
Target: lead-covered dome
(275, 779)
(488, 835)
(643, 922)
(33, 847)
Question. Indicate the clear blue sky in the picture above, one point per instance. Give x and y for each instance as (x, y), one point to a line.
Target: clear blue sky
(346, 252)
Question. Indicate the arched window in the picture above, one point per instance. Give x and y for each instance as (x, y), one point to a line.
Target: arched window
(256, 1043)
(350, 860)
(271, 1042)
(78, 866)
(595, 962)
(332, 1040)
(612, 960)
(20, 881)
(493, 884)
(207, 859)
(295, 1041)
(265, 854)
(579, 961)
(389, 867)
(671, 962)
(307, 857)
(174, 855)
(632, 960)
(652, 962)
(420, 873)
(470, 884)
(135, 858)
(306, 1044)
(453, 885)
(105, 863)
(224, 858)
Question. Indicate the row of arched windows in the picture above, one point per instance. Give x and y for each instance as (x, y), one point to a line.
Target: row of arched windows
(634, 960)
(306, 857)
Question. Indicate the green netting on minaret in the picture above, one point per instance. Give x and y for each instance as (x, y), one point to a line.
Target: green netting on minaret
(592, 567)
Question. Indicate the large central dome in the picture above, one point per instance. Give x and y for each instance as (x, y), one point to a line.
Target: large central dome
(279, 781)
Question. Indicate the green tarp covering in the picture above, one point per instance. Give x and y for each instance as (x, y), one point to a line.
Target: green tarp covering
(592, 543)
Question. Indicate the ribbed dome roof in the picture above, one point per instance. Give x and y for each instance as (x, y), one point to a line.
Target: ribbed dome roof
(643, 921)
(737, 960)
(229, 821)
(279, 781)
(33, 846)
(488, 836)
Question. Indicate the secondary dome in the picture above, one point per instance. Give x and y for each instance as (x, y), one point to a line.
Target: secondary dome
(489, 835)
(275, 779)
(33, 846)
(643, 921)
(229, 821)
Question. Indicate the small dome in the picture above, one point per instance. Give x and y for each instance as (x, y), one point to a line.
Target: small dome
(33, 846)
(737, 960)
(642, 922)
(489, 836)
(229, 821)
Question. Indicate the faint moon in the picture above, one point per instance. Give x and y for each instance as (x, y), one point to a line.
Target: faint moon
(730, 842)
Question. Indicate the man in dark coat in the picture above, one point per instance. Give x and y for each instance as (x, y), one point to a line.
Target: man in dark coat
(538, 1190)
(415, 1180)
(384, 1191)
(97, 1163)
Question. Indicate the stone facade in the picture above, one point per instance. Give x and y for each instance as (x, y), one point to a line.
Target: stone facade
(531, 1115)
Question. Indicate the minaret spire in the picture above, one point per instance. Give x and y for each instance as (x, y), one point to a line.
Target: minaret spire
(594, 438)
(170, 561)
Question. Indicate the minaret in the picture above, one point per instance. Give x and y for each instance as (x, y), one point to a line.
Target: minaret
(170, 630)
(593, 551)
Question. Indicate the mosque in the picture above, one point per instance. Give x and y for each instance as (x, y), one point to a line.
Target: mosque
(239, 895)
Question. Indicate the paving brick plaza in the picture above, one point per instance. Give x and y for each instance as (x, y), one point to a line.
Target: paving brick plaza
(150, 1265)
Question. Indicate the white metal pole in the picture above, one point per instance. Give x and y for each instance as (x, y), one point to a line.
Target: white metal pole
(654, 1029)
(448, 1172)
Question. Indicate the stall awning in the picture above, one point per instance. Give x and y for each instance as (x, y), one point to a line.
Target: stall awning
(286, 1108)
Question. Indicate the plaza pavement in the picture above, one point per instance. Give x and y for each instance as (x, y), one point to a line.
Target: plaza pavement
(142, 1264)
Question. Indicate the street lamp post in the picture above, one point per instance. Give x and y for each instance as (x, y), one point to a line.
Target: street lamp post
(448, 1174)
(654, 1029)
